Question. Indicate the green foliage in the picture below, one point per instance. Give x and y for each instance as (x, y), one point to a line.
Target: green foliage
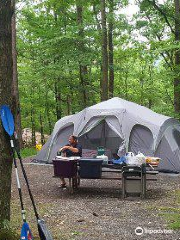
(28, 152)
(7, 233)
(51, 50)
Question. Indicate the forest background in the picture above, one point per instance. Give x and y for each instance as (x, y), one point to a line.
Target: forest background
(72, 54)
(75, 53)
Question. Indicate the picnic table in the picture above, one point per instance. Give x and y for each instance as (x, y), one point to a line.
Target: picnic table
(72, 169)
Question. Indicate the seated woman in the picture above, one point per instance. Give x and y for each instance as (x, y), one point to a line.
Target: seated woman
(69, 150)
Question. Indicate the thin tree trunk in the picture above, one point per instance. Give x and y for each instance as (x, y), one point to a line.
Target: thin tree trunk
(68, 105)
(126, 85)
(141, 81)
(150, 103)
(33, 130)
(104, 79)
(58, 100)
(83, 70)
(99, 28)
(15, 91)
(48, 112)
(56, 87)
(41, 130)
(41, 120)
(177, 60)
(83, 80)
(33, 136)
(111, 49)
(6, 75)
(49, 122)
(142, 91)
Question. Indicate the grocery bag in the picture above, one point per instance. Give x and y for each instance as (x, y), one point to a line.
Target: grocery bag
(131, 158)
(140, 158)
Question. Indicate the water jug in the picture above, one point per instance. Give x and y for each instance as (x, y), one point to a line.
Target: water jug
(100, 151)
(104, 158)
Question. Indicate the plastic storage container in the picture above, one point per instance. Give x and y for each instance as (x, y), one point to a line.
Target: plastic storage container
(90, 168)
(65, 168)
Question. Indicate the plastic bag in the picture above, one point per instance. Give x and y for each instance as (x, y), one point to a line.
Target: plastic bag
(104, 158)
(140, 158)
(131, 158)
(121, 160)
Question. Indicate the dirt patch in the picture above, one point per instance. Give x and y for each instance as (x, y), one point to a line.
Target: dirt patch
(96, 211)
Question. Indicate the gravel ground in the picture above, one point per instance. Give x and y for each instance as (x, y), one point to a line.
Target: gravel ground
(96, 211)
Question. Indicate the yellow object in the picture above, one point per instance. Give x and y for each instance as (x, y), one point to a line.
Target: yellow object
(153, 160)
(38, 147)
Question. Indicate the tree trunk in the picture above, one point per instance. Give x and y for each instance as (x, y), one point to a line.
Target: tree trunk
(83, 80)
(68, 105)
(111, 53)
(58, 101)
(141, 81)
(104, 79)
(126, 84)
(177, 60)
(6, 74)
(41, 130)
(40, 118)
(150, 103)
(15, 91)
(49, 122)
(33, 136)
(150, 98)
(83, 70)
(47, 112)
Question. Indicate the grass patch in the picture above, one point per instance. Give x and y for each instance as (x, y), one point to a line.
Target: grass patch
(173, 219)
(7, 232)
(172, 214)
(28, 152)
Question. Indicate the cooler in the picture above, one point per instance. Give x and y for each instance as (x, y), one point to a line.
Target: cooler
(90, 168)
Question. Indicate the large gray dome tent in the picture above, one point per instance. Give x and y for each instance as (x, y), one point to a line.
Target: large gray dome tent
(122, 126)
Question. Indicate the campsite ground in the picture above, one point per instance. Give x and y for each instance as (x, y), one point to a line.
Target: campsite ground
(97, 211)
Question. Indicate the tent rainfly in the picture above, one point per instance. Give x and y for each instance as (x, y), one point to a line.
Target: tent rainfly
(120, 126)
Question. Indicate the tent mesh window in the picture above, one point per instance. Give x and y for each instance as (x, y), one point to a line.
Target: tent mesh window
(176, 135)
(141, 139)
(101, 135)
